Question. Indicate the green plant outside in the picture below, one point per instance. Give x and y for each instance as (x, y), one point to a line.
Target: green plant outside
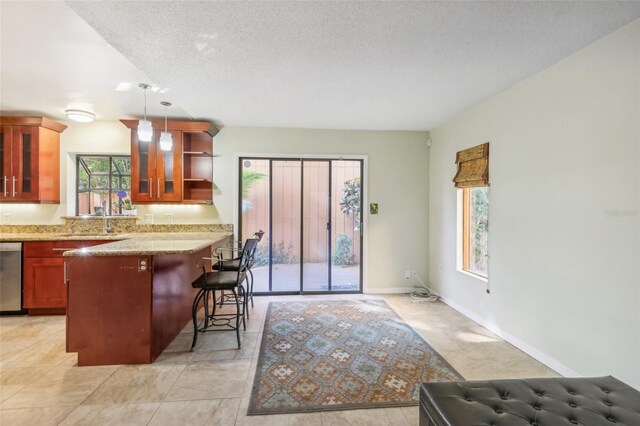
(350, 203)
(479, 255)
(343, 253)
(281, 254)
(249, 178)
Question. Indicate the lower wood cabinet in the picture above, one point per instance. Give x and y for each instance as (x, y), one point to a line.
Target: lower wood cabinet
(43, 278)
(44, 283)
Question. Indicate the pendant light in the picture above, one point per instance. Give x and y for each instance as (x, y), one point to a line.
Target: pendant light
(166, 141)
(145, 129)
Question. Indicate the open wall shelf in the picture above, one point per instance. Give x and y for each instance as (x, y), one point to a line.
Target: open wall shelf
(197, 167)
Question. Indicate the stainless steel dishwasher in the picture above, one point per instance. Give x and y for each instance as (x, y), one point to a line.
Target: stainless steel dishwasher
(11, 278)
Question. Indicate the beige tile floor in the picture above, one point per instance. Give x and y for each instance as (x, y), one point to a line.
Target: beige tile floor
(41, 384)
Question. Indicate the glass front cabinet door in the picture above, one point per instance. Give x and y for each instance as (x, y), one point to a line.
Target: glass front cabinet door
(5, 162)
(156, 175)
(24, 179)
(30, 159)
(143, 170)
(169, 169)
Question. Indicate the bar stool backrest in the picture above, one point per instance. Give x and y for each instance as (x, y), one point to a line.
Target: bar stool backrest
(246, 257)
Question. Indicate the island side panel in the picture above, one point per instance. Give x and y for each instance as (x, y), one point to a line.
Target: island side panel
(109, 309)
(173, 295)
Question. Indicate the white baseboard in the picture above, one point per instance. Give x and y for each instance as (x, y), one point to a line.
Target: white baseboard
(391, 290)
(544, 358)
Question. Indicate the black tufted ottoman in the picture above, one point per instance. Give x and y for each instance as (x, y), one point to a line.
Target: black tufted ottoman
(542, 402)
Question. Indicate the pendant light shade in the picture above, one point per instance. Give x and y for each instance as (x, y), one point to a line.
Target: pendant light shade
(145, 129)
(166, 140)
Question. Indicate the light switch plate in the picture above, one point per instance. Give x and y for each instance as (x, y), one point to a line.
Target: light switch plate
(148, 219)
(169, 217)
(6, 218)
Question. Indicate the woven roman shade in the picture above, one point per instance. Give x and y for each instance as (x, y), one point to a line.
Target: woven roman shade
(473, 167)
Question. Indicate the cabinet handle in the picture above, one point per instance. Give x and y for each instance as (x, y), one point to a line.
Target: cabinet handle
(158, 188)
(14, 186)
(151, 188)
(5, 186)
(65, 272)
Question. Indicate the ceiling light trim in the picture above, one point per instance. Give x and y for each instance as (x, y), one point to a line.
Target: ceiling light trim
(79, 115)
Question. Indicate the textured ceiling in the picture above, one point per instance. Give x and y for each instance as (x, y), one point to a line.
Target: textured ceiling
(352, 65)
(52, 59)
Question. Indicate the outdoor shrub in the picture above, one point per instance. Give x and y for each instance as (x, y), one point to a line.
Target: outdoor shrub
(343, 252)
(280, 254)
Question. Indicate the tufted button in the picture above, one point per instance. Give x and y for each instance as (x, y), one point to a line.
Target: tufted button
(607, 403)
(539, 393)
(571, 392)
(536, 407)
(534, 424)
(504, 397)
(574, 421)
(572, 405)
(498, 411)
(605, 390)
(466, 398)
(611, 419)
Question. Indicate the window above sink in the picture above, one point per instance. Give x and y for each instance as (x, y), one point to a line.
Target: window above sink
(103, 179)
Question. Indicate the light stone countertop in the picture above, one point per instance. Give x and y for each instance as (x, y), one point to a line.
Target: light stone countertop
(149, 244)
(53, 236)
(130, 244)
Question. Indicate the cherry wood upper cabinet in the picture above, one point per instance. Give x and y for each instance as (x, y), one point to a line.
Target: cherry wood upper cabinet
(182, 175)
(156, 175)
(30, 159)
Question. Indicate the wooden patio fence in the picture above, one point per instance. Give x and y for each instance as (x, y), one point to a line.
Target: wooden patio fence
(286, 206)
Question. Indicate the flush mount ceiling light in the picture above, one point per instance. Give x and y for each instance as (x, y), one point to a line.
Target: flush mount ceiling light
(145, 129)
(166, 141)
(80, 115)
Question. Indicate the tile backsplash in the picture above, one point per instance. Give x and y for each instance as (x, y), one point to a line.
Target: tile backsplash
(117, 224)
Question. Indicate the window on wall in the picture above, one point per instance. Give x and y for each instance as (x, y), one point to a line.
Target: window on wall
(475, 230)
(102, 179)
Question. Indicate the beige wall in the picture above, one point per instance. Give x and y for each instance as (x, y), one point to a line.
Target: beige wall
(564, 240)
(397, 173)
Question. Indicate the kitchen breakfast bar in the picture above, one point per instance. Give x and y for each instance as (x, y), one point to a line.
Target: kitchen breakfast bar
(127, 300)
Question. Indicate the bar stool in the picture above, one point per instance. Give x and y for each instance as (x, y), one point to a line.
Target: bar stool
(232, 265)
(209, 282)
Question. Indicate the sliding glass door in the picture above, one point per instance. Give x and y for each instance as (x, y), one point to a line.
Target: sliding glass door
(310, 212)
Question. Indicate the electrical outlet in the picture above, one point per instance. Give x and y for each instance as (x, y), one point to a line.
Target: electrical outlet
(407, 273)
(414, 273)
(6, 218)
(169, 217)
(440, 267)
(148, 219)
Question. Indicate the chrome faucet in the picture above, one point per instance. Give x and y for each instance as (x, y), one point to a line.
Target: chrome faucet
(105, 222)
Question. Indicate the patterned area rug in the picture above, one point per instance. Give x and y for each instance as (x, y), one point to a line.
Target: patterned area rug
(341, 355)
